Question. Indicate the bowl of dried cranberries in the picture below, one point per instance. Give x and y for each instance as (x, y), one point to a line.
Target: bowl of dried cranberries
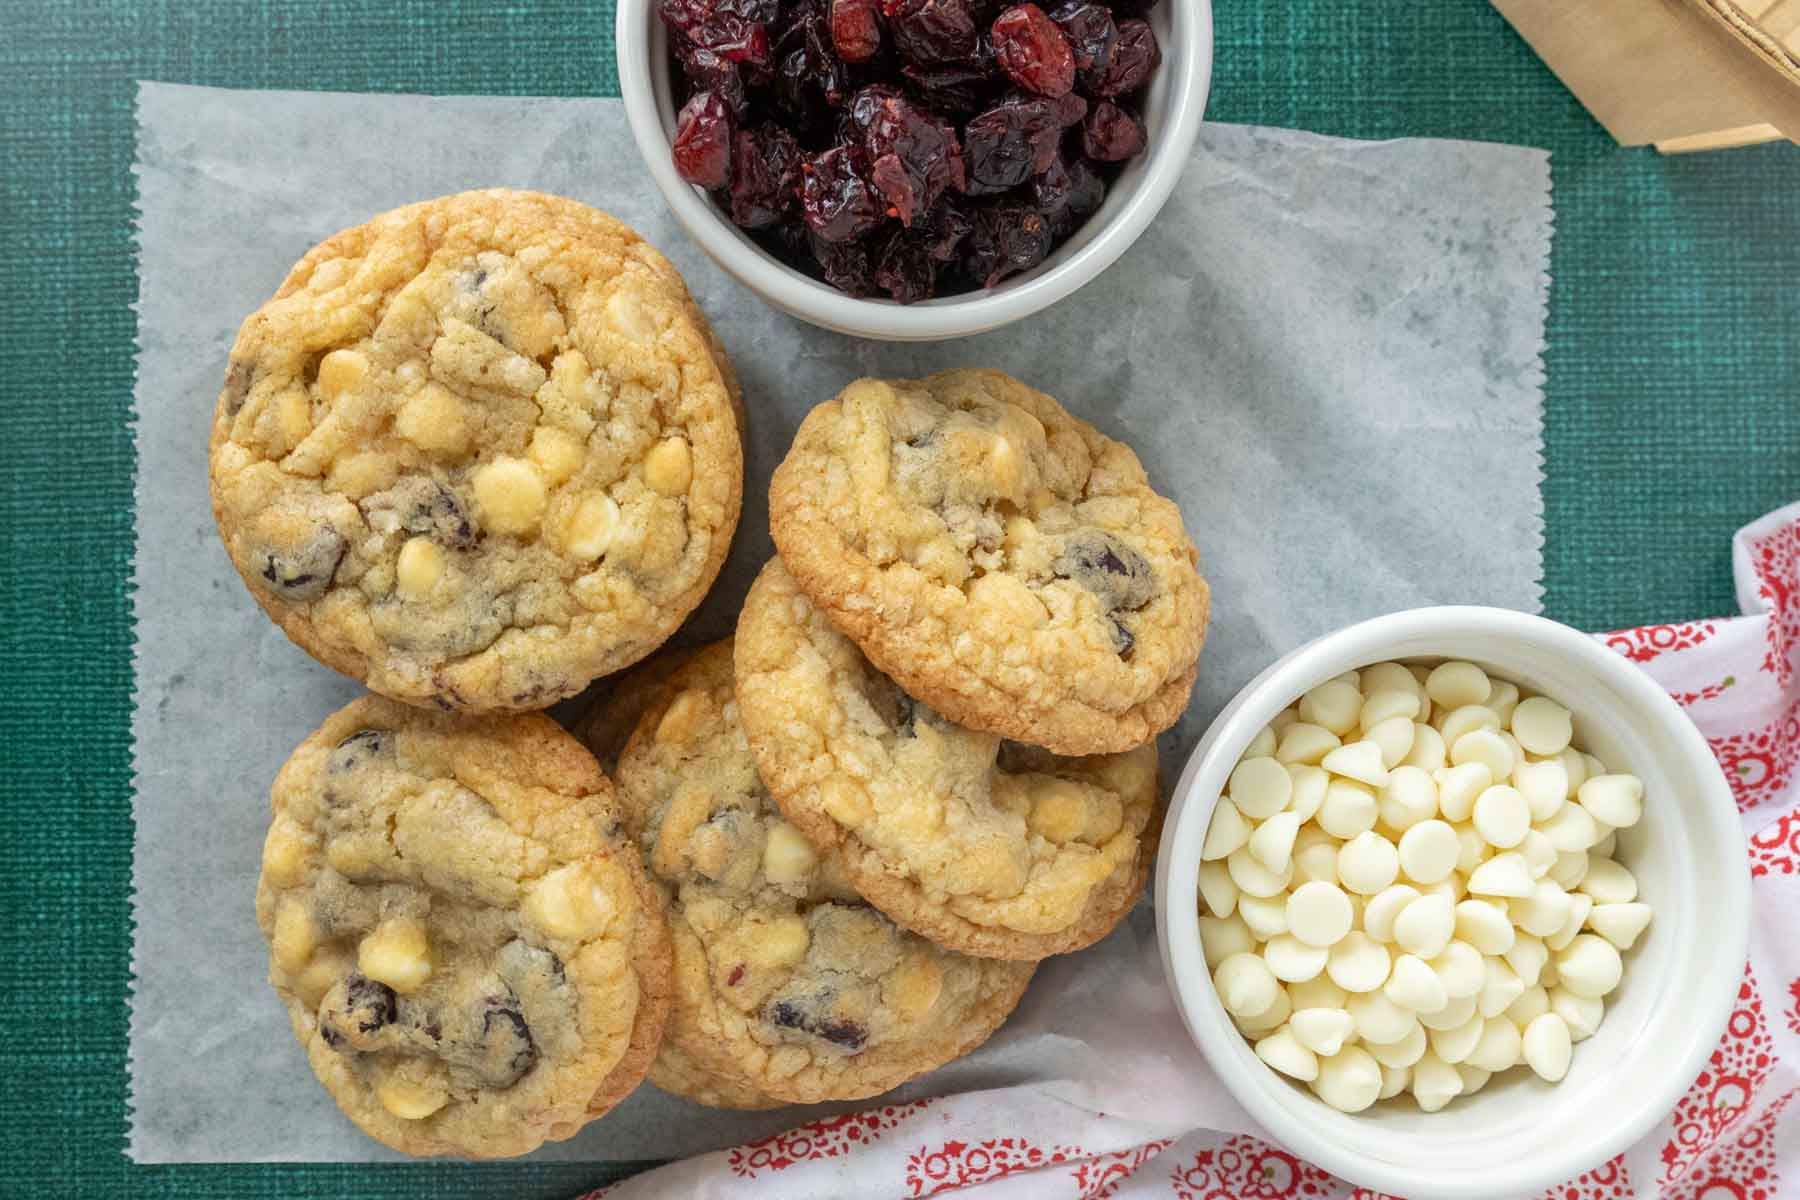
(913, 170)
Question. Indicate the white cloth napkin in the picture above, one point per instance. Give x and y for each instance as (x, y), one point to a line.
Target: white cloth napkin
(1733, 1136)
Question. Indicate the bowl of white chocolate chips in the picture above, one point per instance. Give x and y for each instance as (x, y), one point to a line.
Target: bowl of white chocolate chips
(1454, 901)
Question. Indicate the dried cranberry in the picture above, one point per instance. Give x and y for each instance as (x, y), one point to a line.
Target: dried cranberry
(844, 265)
(1067, 194)
(856, 29)
(702, 147)
(904, 269)
(1010, 143)
(707, 72)
(1134, 57)
(860, 109)
(836, 198)
(933, 32)
(943, 230)
(958, 90)
(913, 156)
(810, 80)
(1034, 51)
(765, 177)
(735, 30)
(1007, 238)
(1091, 33)
(1110, 134)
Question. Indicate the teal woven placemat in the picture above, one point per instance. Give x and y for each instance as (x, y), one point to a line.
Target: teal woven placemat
(1673, 416)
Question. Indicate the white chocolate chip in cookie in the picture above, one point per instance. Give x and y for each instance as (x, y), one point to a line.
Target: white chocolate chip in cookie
(510, 495)
(293, 416)
(557, 453)
(363, 474)
(295, 936)
(1011, 599)
(419, 567)
(436, 421)
(285, 853)
(412, 1089)
(785, 941)
(914, 988)
(669, 467)
(1058, 811)
(340, 372)
(788, 858)
(397, 954)
(589, 531)
(569, 903)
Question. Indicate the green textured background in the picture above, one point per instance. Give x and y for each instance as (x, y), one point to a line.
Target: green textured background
(1673, 417)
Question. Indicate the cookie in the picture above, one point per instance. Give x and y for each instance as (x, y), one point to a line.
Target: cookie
(471, 955)
(787, 985)
(1003, 561)
(607, 724)
(479, 451)
(986, 846)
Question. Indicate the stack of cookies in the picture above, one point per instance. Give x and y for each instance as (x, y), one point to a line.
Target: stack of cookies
(484, 450)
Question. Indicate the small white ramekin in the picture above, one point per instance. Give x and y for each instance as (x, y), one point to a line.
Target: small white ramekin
(1520, 1135)
(1173, 105)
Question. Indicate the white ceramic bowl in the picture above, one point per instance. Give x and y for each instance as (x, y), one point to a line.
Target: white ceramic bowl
(1520, 1135)
(1173, 105)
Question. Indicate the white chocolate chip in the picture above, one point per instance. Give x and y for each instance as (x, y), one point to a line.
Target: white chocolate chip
(1502, 816)
(1318, 913)
(1458, 787)
(1499, 1047)
(1466, 720)
(1333, 705)
(1504, 699)
(1424, 926)
(1302, 742)
(1216, 888)
(1542, 726)
(1260, 787)
(1393, 1079)
(669, 467)
(1266, 916)
(1459, 968)
(788, 858)
(1434, 1083)
(1395, 738)
(1383, 907)
(1581, 1014)
(1273, 841)
(1409, 796)
(1222, 937)
(1545, 786)
(1322, 1030)
(1383, 706)
(1292, 960)
(1527, 958)
(1620, 924)
(1454, 1014)
(418, 568)
(591, 528)
(1486, 747)
(1414, 986)
(1254, 879)
(1403, 1053)
(1309, 790)
(1485, 926)
(510, 496)
(1349, 1081)
(1428, 851)
(569, 903)
(1613, 800)
(1226, 833)
(1349, 808)
(1501, 987)
(396, 953)
(1546, 1047)
(1532, 1003)
(1245, 985)
(1502, 875)
(1318, 992)
(1367, 863)
(1589, 966)
(1453, 684)
(1379, 1019)
(1456, 1044)
(1579, 907)
(1428, 752)
(1572, 828)
(1361, 761)
(1358, 962)
(1282, 1051)
(1543, 911)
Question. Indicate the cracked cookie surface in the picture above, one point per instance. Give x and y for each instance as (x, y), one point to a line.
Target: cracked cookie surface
(1005, 562)
(479, 451)
(983, 845)
(473, 963)
(788, 987)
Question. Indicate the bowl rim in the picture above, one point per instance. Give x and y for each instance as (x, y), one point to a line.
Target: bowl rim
(1371, 641)
(1188, 60)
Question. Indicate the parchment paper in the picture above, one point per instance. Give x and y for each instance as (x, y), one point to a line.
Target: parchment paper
(1326, 351)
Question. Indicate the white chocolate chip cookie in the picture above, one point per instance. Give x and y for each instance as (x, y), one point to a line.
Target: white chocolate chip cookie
(479, 451)
(473, 962)
(989, 847)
